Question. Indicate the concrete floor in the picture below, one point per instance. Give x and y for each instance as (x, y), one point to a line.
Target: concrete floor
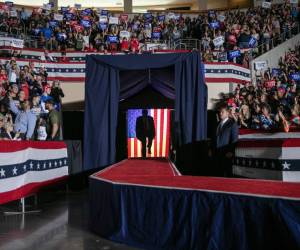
(61, 224)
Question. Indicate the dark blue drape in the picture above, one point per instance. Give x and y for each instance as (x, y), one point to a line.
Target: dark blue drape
(159, 218)
(105, 87)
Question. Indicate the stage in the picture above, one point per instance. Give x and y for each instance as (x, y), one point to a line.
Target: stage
(148, 204)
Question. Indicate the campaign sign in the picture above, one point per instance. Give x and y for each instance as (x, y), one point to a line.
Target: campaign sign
(102, 26)
(64, 9)
(161, 18)
(58, 17)
(77, 6)
(214, 25)
(234, 53)
(112, 39)
(259, 65)
(124, 17)
(113, 20)
(124, 33)
(156, 35)
(69, 16)
(61, 36)
(295, 76)
(53, 23)
(266, 5)
(147, 16)
(218, 41)
(104, 12)
(103, 19)
(86, 23)
(252, 42)
(221, 18)
(276, 72)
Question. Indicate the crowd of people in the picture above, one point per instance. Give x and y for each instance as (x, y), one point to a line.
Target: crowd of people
(29, 103)
(273, 103)
(98, 30)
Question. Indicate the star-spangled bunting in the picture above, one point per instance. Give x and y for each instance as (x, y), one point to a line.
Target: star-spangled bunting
(19, 169)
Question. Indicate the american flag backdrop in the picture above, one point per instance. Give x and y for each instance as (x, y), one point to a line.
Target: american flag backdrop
(161, 142)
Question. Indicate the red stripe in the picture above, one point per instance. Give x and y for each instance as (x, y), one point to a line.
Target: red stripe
(155, 141)
(224, 80)
(135, 147)
(129, 147)
(66, 79)
(13, 146)
(27, 190)
(168, 133)
(267, 143)
(162, 132)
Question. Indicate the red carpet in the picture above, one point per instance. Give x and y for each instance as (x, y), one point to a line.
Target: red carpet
(160, 173)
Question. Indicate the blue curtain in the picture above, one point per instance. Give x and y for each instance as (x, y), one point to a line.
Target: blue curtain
(107, 83)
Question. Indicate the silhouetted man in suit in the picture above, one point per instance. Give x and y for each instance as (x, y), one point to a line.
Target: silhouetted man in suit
(145, 129)
(226, 139)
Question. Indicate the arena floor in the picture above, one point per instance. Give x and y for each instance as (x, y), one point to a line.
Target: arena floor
(62, 224)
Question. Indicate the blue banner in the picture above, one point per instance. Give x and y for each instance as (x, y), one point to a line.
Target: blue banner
(161, 18)
(104, 12)
(102, 26)
(252, 42)
(156, 35)
(112, 39)
(276, 72)
(36, 32)
(69, 16)
(86, 12)
(214, 25)
(86, 23)
(295, 76)
(64, 9)
(234, 53)
(147, 16)
(53, 23)
(77, 5)
(61, 36)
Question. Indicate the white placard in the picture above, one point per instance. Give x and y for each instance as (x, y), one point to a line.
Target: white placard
(171, 16)
(293, 1)
(124, 33)
(221, 18)
(259, 65)
(266, 5)
(17, 43)
(47, 6)
(58, 17)
(152, 46)
(113, 20)
(103, 19)
(218, 41)
(13, 13)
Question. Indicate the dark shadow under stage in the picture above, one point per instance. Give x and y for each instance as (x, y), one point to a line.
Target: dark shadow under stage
(148, 204)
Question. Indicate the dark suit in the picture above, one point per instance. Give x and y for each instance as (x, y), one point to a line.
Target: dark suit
(145, 129)
(226, 139)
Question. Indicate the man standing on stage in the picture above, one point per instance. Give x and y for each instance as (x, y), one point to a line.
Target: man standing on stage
(145, 129)
(226, 138)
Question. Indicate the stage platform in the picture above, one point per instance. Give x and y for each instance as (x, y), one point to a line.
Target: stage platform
(148, 204)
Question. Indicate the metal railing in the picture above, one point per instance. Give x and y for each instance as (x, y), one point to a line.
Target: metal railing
(187, 44)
